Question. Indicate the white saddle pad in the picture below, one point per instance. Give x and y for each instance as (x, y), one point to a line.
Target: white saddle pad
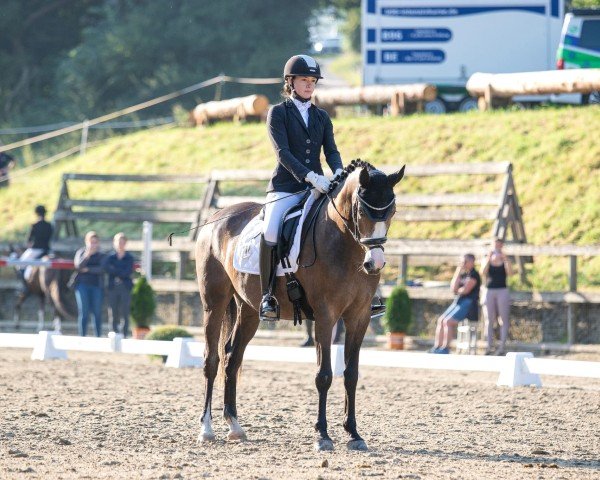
(246, 256)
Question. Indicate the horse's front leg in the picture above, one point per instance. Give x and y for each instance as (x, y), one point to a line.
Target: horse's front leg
(41, 313)
(323, 382)
(244, 330)
(355, 332)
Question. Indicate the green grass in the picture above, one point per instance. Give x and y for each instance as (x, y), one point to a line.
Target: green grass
(554, 151)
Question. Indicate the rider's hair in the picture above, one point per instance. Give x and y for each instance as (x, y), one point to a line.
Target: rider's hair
(89, 235)
(470, 256)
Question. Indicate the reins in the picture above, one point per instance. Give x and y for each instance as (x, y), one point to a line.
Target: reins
(170, 237)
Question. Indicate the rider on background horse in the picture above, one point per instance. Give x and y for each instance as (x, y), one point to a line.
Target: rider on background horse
(298, 130)
(38, 242)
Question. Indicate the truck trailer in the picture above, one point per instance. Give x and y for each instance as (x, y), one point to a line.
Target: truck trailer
(443, 42)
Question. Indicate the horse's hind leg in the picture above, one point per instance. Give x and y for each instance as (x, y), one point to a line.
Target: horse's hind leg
(244, 330)
(215, 300)
(41, 313)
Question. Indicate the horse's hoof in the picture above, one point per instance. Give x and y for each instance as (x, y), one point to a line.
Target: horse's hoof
(233, 436)
(324, 445)
(359, 445)
(206, 437)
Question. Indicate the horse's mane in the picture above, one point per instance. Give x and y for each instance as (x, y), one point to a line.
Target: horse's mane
(347, 170)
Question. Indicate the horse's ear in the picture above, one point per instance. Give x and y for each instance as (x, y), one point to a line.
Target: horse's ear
(394, 178)
(363, 179)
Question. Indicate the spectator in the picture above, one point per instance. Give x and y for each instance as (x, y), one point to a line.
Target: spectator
(466, 283)
(6, 163)
(119, 266)
(496, 268)
(88, 283)
(38, 242)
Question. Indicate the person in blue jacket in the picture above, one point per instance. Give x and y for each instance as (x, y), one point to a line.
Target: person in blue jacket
(298, 131)
(119, 266)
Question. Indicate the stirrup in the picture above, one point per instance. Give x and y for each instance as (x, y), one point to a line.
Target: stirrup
(377, 310)
(269, 308)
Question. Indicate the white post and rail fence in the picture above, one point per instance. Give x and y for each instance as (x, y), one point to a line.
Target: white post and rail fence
(516, 369)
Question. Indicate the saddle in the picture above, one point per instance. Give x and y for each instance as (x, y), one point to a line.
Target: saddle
(287, 232)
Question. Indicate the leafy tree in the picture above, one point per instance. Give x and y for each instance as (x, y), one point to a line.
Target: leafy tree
(33, 35)
(141, 49)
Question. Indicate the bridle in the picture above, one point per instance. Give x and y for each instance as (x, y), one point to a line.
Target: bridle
(369, 242)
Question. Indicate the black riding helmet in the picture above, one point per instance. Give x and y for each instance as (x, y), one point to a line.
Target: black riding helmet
(40, 210)
(301, 66)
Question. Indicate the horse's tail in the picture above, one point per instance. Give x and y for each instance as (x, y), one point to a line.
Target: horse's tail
(225, 338)
(55, 291)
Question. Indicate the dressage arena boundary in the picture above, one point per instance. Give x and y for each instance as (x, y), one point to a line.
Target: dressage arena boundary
(515, 369)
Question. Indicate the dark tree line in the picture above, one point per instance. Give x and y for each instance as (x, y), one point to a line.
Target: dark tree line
(74, 59)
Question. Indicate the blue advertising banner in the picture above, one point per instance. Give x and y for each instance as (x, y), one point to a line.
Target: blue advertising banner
(412, 56)
(455, 11)
(390, 35)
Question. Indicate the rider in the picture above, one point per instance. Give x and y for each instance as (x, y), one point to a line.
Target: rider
(38, 242)
(298, 130)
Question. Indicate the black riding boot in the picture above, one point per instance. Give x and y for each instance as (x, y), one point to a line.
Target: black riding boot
(269, 308)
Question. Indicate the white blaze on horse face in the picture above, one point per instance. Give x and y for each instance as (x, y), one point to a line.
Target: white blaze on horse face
(380, 230)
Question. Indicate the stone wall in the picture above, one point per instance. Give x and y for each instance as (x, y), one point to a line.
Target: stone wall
(530, 323)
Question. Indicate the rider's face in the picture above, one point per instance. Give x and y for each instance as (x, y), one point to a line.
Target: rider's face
(304, 86)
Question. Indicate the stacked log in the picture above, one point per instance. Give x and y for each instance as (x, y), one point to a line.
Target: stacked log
(497, 89)
(241, 108)
(399, 96)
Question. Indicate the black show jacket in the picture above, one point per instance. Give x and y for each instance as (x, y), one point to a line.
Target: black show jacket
(297, 147)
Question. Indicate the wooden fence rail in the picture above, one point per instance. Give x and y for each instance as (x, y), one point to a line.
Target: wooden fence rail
(496, 89)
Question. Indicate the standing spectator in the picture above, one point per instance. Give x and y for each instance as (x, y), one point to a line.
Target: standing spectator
(89, 282)
(6, 163)
(496, 268)
(465, 285)
(38, 242)
(119, 266)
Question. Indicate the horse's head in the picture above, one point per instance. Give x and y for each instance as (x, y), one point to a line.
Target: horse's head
(373, 204)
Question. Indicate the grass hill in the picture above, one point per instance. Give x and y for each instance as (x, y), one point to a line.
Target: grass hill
(555, 153)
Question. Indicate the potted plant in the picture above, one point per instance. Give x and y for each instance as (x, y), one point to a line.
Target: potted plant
(143, 305)
(167, 333)
(397, 319)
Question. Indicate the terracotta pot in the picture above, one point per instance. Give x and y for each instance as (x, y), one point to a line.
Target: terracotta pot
(139, 333)
(396, 341)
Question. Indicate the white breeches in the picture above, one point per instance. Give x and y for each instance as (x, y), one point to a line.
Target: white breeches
(30, 254)
(275, 210)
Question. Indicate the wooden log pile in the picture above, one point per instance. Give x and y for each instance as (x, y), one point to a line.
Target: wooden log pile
(241, 108)
(401, 98)
(495, 90)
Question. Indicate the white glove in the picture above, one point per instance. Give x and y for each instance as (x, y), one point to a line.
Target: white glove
(318, 181)
(337, 172)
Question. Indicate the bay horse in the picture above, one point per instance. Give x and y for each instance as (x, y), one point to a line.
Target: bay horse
(47, 284)
(347, 257)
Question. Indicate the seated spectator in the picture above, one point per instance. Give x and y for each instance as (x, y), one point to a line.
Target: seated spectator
(496, 268)
(6, 163)
(466, 283)
(119, 266)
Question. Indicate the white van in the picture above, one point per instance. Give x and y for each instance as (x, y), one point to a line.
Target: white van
(579, 45)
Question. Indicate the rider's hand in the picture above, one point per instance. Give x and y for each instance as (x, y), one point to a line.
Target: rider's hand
(320, 182)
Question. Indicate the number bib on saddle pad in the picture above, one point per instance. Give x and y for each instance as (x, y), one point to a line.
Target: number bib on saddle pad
(245, 258)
